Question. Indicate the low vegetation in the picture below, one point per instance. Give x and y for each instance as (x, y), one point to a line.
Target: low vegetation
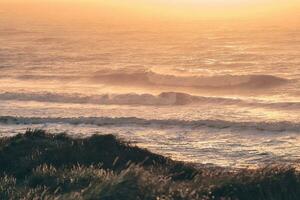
(38, 165)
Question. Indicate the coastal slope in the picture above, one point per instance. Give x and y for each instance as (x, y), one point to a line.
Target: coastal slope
(40, 165)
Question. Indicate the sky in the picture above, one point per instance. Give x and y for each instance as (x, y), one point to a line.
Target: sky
(277, 11)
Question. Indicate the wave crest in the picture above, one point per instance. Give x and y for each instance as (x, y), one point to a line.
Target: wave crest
(166, 98)
(132, 121)
(143, 77)
(163, 99)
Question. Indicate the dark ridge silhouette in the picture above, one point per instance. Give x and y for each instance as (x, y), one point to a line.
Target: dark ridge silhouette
(38, 165)
(62, 150)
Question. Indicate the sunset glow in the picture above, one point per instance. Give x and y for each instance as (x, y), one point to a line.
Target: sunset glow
(213, 84)
(277, 11)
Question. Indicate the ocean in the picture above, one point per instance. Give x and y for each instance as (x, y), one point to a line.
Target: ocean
(207, 94)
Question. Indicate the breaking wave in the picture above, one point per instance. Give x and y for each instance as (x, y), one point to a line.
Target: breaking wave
(132, 121)
(163, 99)
(143, 77)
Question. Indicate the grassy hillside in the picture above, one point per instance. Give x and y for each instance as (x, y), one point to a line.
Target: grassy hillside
(38, 165)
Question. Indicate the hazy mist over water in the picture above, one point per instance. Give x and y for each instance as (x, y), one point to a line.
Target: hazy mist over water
(223, 95)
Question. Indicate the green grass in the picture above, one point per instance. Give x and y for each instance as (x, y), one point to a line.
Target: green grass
(38, 165)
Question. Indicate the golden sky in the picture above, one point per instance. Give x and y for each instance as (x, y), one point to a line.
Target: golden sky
(256, 10)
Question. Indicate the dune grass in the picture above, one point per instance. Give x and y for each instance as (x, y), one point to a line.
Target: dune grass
(38, 165)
